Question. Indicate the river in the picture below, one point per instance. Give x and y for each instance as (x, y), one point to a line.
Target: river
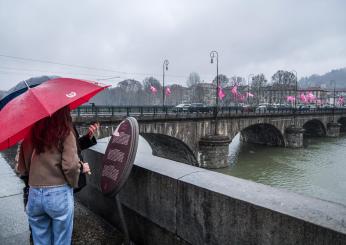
(317, 170)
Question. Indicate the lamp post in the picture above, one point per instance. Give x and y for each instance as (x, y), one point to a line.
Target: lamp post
(295, 95)
(248, 87)
(164, 67)
(215, 54)
(333, 82)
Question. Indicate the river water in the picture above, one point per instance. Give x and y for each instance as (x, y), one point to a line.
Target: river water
(318, 169)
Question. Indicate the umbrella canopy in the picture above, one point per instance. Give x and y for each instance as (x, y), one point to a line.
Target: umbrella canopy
(20, 113)
(22, 87)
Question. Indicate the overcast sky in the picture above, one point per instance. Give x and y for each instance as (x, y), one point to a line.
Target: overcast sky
(132, 38)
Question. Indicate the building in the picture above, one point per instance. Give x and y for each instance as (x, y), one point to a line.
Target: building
(278, 94)
(201, 93)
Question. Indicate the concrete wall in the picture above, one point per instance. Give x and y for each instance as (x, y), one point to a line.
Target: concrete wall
(167, 202)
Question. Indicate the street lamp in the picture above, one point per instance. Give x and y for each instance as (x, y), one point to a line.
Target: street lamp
(333, 83)
(214, 54)
(164, 67)
(248, 87)
(295, 95)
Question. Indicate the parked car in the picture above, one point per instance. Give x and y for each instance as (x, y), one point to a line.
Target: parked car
(247, 108)
(198, 107)
(327, 106)
(303, 108)
(182, 107)
(261, 108)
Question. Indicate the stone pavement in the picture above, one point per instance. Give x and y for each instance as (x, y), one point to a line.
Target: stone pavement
(14, 228)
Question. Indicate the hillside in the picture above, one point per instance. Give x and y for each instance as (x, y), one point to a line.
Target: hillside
(339, 76)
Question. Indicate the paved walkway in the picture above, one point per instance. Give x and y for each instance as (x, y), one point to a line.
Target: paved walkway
(14, 228)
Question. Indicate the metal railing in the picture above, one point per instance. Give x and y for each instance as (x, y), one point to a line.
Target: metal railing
(171, 111)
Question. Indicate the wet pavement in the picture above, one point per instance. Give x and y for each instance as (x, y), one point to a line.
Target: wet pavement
(14, 228)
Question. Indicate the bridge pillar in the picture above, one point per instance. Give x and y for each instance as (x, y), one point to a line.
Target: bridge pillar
(333, 129)
(294, 137)
(213, 151)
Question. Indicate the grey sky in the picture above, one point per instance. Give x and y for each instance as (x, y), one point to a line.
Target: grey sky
(135, 36)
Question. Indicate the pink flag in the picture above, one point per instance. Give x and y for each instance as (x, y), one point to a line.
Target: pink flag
(241, 97)
(291, 99)
(221, 93)
(341, 100)
(234, 90)
(310, 97)
(248, 94)
(303, 98)
(168, 91)
(153, 90)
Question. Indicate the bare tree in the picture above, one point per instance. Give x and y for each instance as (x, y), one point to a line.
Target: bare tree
(177, 94)
(193, 79)
(258, 81)
(284, 78)
(150, 98)
(235, 80)
(129, 92)
(223, 80)
(130, 85)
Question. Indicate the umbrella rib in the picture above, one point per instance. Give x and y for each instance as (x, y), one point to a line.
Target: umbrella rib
(32, 91)
(26, 84)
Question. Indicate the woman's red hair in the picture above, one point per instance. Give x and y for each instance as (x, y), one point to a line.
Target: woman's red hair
(51, 132)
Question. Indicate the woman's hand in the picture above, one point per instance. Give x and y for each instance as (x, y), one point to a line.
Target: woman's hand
(86, 168)
(93, 129)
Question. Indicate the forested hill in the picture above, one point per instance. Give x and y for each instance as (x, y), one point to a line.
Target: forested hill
(339, 76)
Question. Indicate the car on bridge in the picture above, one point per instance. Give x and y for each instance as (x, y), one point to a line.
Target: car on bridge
(303, 108)
(199, 107)
(184, 107)
(247, 108)
(262, 108)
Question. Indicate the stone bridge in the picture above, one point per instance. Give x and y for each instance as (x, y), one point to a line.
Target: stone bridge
(192, 140)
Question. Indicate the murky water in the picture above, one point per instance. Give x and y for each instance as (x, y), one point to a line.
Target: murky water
(318, 170)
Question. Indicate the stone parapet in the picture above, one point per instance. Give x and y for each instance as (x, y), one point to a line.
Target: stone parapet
(172, 203)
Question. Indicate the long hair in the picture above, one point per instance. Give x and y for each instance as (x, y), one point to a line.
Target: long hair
(51, 132)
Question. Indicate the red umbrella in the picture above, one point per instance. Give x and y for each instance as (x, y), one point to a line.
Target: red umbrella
(17, 117)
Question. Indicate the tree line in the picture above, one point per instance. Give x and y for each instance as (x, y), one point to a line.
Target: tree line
(131, 92)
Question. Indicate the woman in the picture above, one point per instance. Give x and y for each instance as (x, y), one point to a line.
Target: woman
(49, 156)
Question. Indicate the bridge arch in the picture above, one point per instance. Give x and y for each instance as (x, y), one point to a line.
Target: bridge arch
(314, 128)
(342, 121)
(262, 133)
(170, 147)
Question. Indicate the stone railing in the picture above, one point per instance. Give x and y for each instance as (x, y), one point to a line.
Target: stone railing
(166, 202)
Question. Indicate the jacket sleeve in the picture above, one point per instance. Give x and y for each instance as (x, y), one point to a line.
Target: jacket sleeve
(85, 142)
(23, 157)
(70, 161)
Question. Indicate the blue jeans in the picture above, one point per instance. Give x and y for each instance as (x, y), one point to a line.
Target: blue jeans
(50, 212)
